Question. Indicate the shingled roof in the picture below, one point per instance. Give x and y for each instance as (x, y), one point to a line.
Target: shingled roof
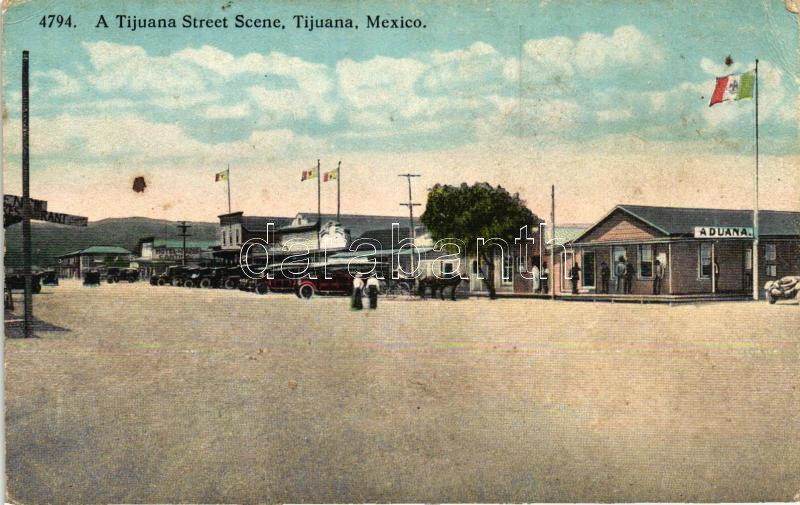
(680, 221)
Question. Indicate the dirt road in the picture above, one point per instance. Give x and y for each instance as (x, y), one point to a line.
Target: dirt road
(176, 395)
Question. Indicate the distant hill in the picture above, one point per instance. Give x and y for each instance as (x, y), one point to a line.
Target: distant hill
(50, 240)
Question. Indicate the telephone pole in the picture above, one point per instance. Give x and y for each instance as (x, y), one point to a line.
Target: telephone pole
(411, 232)
(183, 227)
(27, 321)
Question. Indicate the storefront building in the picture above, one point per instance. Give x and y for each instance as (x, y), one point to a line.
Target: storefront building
(700, 251)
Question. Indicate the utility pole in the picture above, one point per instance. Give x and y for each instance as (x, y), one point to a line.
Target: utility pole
(411, 232)
(27, 324)
(552, 276)
(183, 227)
(339, 192)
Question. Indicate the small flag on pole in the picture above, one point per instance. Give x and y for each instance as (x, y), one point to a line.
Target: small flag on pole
(733, 87)
(329, 176)
(308, 174)
(221, 176)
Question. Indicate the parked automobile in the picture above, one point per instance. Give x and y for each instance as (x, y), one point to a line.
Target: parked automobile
(16, 281)
(49, 277)
(91, 277)
(276, 279)
(116, 274)
(783, 289)
(173, 276)
(204, 277)
(332, 278)
(231, 276)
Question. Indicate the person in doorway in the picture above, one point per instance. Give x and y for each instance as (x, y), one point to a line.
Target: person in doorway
(575, 274)
(658, 278)
(373, 287)
(545, 278)
(619, 273)
(358, 287)
(716, 275)
(630, 270)
(605, 275)
(536, 282)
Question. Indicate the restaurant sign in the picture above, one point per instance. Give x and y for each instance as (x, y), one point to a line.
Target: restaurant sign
(722, 232)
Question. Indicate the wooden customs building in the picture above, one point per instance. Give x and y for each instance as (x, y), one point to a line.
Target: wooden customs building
(688, 242)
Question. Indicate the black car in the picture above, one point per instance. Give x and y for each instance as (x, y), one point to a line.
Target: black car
(114, 274)
(49, 277)
(91, 278)
(175, 275)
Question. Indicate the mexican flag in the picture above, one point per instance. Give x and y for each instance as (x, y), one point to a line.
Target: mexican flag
(733, 87)
(329, 176)
(308, 174)
(221, 176)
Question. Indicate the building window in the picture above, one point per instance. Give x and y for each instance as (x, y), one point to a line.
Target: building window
(475, 266)
(772, 270)
(704, 254)
(447, 268)
(508, 268)
(645, 261)
(238, 238)
(224, 237)
(770, 254)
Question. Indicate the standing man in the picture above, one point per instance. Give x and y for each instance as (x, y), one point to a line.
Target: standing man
(372, 291)
(630, 270)
(658, 278)
(619, 272)
(575, 273)
(716, 274)
(605, 275)
(536, 282)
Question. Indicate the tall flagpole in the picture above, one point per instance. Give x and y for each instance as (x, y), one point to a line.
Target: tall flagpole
(755, 203)
(228, 178)
(338, 190)
(319, 206)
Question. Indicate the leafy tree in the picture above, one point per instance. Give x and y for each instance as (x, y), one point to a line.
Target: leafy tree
(467, 213)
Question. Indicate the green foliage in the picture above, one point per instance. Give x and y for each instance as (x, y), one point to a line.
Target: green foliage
(467, 213)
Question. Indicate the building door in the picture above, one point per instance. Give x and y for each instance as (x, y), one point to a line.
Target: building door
(588, 268)
(747, 282)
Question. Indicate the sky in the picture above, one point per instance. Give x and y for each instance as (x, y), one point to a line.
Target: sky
(607, 100)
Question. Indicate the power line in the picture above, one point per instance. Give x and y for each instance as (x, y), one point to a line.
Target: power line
(183, 227)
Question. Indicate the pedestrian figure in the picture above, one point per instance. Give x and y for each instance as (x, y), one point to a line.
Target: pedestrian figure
(575, 274)
(619, 272)
(372, 291)
(545, 278)
(605, 275)
(358, 287)
(658, 278)
(536, 282)
(630, 270)
(716, 275)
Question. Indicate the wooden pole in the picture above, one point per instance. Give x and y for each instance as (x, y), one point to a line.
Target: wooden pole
(319, 206)
(552, 276)
(755, 202)
(228, 178)
(338, 191)
(27, 325)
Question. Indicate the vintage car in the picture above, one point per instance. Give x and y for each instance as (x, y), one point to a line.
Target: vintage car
(174, 276)
(333, 278)
(91, 277)
(49, 277)
(115, 274)
(16, 282)
(205, 277)
(230, 277)
(783, 289)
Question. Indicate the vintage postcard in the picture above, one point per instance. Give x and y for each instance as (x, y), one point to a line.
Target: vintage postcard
(430, 251)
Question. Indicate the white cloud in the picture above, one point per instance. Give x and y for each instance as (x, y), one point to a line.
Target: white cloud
(381, 81)
(62, 84)
(227, 111)
(119, 67)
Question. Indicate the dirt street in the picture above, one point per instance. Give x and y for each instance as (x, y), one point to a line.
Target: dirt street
(162, 394)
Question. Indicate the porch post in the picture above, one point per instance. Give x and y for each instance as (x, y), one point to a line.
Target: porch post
(713, 268)
(669, 262)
